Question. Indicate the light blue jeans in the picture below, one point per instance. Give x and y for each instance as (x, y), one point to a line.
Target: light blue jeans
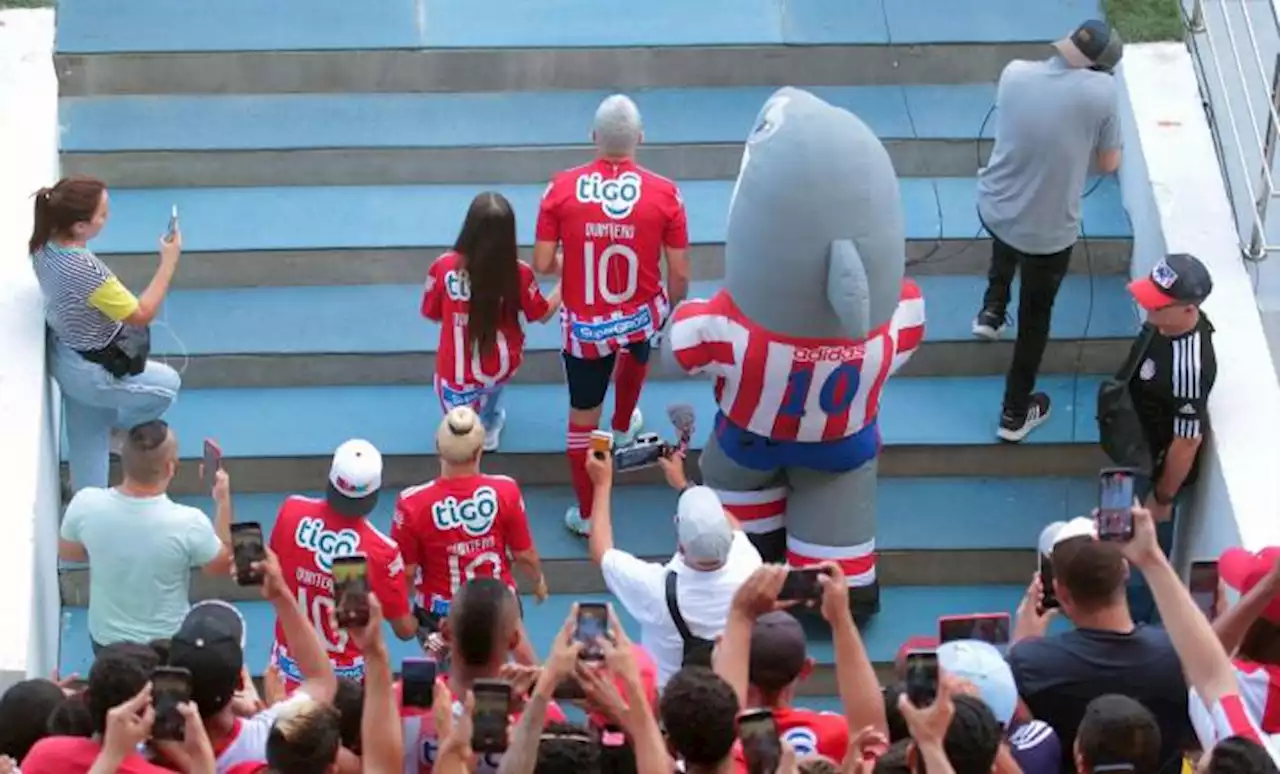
(94, 402)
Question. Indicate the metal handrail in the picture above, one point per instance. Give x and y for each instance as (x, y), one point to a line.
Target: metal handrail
(1258, 87)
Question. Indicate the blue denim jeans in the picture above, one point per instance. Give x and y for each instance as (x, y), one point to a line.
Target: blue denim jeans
(94, 402)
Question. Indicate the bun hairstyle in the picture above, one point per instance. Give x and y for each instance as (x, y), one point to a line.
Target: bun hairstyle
(70, 201)
(460, 435)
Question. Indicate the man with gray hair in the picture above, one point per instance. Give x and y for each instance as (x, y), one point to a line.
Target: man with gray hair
(612, 221)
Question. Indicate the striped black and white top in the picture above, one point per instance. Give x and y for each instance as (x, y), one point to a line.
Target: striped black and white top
(68, 276)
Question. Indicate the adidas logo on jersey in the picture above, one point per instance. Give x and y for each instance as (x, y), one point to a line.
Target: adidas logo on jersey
(1187, 408)
(475, 515)
(325, 544)
(617, 197)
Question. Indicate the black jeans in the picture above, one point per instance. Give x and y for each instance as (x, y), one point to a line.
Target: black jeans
(1041, 277)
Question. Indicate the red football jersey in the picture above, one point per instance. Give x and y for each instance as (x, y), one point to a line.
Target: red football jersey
(458, 529)
(446, 300)
(808, 733)
(612, 220)
(307, 537)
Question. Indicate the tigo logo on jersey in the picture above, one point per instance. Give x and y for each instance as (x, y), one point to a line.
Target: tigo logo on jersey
(617, 197)
(457, 285)
(803, 740)
(475, 514)
(326, 544)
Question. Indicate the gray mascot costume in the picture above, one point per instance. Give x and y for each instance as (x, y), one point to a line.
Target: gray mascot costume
(814, 316)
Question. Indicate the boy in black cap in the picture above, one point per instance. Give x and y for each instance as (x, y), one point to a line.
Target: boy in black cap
(1174, 371)
(210, 644)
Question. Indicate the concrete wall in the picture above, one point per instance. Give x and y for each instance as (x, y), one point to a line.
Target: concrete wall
(29, 604)
(1183, 206)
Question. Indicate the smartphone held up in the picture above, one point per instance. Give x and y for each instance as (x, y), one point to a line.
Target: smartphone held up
(247, 549)
(351, 590)
(761, 746)
(1115, 504)
(491, 716)
(592, 626)
(170, 687)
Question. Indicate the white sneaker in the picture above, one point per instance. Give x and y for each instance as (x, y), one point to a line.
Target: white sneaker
(989, 325)
(493, 432)
(574, 522)
(621, 439)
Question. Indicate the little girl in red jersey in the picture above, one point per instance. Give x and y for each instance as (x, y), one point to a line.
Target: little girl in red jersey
(478, 292)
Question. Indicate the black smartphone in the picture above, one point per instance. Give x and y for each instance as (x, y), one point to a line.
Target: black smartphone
(593, 623)
(922, 677)
(212, 462)
(802, 585)
(173, 224)
(490, 718)
(351, 590)
(1048, 600)
(1203, 583)
(247, 548)
(1115, 504)
(170, 686)
(992, 628)
(761, 746)
(417, 682)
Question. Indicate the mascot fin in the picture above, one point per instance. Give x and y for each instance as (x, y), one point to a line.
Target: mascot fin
(848, 290)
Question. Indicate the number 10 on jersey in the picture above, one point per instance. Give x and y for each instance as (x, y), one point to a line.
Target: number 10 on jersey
(597, 272)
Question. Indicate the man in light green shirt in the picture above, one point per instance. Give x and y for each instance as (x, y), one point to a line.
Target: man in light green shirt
(140, 545)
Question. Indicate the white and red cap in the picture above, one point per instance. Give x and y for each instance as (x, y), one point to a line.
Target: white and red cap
(355, 478)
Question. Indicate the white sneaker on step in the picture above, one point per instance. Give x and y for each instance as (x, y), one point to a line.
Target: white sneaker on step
(621, 439)
(574, 522)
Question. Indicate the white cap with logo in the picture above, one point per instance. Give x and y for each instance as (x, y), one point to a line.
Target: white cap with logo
(702, 528)
(355, 477)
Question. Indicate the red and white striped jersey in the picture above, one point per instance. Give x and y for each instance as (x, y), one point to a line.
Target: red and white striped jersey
(612, 220)
(1260, 690)
(446, 299)
(789, 388)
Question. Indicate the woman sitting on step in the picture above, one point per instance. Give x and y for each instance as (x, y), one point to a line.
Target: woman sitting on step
(477, 292)
(98, 338)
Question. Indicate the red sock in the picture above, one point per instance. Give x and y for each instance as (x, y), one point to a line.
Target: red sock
(577, 442)
(628, 380)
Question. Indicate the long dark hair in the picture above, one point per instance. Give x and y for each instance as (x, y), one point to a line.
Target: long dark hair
(70, 201)
(487, 245)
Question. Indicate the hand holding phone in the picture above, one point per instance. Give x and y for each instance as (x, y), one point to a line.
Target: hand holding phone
(803, 585)
(247, 549)
(761, 746)
(418, 682)
(351, 591)
(1115, 504)
(490, 716)
(922, 677)
(591, 627)
(600, 443)
(170, 687)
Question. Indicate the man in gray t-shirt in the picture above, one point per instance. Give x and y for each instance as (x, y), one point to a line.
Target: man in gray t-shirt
(1056, 120)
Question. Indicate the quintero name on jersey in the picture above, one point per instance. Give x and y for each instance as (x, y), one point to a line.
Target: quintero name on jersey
(475, 514)
(325, 544)
(617, 196)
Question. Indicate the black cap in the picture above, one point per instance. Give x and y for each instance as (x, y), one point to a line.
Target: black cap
(778, 651)
(210, 645)
(1093, 44)
(1178, 279)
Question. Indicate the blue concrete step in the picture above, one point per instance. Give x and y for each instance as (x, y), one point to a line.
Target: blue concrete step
(986, 525)
(380, 139)
(280, 439)
(693, 116)
(309, 336)
(320, 320)
(909, 611)
(129, 26)
(356, 217)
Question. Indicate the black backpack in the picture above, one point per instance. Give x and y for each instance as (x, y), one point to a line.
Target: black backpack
(1119, 429)
(697, 651)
